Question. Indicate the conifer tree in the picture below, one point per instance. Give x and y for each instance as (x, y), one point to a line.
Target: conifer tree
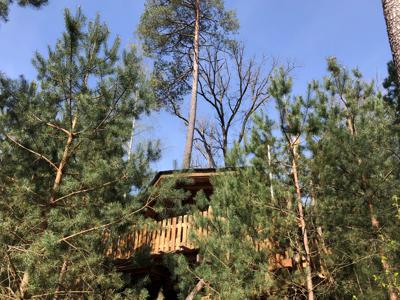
(258, 212)
(249, 228)
(347, 185)
(64, 172)
(174, 31)
(5, 6)
(354, 162)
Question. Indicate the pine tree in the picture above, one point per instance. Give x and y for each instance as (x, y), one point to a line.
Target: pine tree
(174, 32)
(347, 183)
(250, 227)
(354, 165)
(293, 114)
(259, 214)
(5, 6)
(64, 169)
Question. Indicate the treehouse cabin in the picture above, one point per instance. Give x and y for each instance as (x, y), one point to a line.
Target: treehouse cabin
(171, 233)
(168, 234)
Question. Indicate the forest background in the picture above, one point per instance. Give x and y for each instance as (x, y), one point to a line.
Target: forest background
(303, 33)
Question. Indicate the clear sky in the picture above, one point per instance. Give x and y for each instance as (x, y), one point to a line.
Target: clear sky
(304, 32)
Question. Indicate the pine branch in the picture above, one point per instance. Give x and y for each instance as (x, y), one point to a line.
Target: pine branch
(85, 191)
(53, 125)
(41, 156)
(104, 225)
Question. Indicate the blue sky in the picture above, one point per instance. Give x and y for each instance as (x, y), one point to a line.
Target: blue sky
(304, 32)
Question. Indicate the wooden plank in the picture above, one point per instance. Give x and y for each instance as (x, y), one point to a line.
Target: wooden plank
(122, 246)
(129, 249)
(152, 238)
(141, 241)
(173, 234)
(118, 250)
(139, 238)
(184, 230)
(165, 245)
(178, 232)
(144, 239)
(157, 238)
(162, 236)
(136, 238)
(190, 227)
(167, 235)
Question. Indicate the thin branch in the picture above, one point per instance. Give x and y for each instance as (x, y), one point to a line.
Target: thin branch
(52, 125)
(85, 190)
(41, 156)
(104, 225)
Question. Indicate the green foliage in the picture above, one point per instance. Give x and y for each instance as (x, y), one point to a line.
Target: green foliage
(76, 118)
(5, 6)
(348, 169)
(249, 209)
(390, 278)
(167, 30)
(392, 88)
(353, 169)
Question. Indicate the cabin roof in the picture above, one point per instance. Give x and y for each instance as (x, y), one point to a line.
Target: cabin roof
(187, 173)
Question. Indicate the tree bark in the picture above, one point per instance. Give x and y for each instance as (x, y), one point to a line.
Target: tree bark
(319, 240)
(310, 288)
(391, 11)
(23, 285)
(63, 162)
(61, 278)
(187, 155)
(196, 289)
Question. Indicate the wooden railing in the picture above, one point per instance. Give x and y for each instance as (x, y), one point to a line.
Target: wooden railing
(172, 235)
(168, 235)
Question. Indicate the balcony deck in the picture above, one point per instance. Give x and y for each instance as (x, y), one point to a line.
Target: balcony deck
(166, 236)
(172, 235)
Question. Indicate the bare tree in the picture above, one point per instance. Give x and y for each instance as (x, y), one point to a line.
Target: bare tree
(174, 32)
(205, 142)
(235, 88)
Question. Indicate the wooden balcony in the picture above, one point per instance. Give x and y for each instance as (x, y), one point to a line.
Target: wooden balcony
(166, 236)
(171, 236)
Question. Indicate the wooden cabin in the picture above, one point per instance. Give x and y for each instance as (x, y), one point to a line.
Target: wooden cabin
(168, 235)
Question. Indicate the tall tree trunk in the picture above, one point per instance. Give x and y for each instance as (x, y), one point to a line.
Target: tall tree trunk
(187, 155)
(391, 11)
(310, 288)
